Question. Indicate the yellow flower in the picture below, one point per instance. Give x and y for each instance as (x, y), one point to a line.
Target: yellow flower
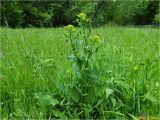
(96, 38)
(70, 28)
(82, 16)
(135, 68)
(68, 71)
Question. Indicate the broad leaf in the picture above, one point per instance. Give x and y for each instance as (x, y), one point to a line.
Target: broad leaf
(108, 92)
(50, 100)
(133, 117)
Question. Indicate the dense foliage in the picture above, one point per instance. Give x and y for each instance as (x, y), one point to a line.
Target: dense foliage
(56, 13)
(79, 72)
(38, 79)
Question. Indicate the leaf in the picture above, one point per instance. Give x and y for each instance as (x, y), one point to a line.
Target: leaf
(66, 35)
(123, 84)
(108, 92)
(46, 61)
(50, 100)
(96, 49)
(46, 99)
(36, 95)
(116, 113)
(93, 76)
(133, 117)
(98, 103)
(61, 115)
(74, 93)
(78, 44)
(71, 57)
(113, 102)
(149, 96)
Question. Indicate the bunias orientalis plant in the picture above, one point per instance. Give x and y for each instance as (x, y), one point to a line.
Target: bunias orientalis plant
(84, 46)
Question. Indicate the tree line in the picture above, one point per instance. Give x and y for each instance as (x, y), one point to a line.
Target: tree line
(45, 13)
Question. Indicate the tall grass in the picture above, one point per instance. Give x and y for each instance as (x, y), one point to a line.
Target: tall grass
(36, 76)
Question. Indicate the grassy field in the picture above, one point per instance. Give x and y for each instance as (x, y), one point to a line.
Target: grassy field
(37, 79)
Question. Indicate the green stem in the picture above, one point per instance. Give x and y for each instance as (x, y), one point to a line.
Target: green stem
(89, 29)
(78, 60)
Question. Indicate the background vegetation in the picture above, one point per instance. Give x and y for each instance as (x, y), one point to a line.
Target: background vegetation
(117, 76)
(38, 80)
(56, 13)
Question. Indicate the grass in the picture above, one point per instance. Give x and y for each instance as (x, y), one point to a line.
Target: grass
(37, 82)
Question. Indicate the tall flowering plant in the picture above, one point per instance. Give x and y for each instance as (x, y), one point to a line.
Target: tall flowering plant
(84, 45)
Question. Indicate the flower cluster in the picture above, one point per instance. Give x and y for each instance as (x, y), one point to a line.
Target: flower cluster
(96, 38)
(83, 22)
(70, 28)
(82, 16)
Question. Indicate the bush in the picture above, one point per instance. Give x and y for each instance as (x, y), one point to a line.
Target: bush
(11, 14)
(156, 19)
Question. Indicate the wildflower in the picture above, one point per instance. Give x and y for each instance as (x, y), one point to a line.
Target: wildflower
(135, 68)
(82, 16)
(96, 38)
(70, 28)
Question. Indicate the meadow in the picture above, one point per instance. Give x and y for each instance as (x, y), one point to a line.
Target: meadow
(37, 76)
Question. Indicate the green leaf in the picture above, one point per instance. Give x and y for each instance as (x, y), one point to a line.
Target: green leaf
(108, 92)
(50, 100)
(115, 113)
(123, 84)
(133, 117)
(149, 96)
(113, 102)
(96, 49)
(71, 57)
(99, 103)
(46, 61)
(61, 115)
